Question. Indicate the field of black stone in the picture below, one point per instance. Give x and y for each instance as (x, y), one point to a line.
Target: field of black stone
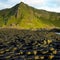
(29, 45)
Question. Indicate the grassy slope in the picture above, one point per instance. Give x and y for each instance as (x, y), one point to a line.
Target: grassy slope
(24, 16)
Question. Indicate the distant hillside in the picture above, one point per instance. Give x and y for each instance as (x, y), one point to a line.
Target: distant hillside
(26, 17)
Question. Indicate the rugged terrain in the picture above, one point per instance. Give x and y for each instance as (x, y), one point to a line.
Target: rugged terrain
(29, 45)
(25, 34)
(24, 16)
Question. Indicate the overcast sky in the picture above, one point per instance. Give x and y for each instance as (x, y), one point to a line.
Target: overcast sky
(50, 5)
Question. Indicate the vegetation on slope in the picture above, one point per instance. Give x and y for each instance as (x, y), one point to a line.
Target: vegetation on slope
(27, 17)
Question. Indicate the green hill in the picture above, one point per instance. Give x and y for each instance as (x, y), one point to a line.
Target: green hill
(23, 16)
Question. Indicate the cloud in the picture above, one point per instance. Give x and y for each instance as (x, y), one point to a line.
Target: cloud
(13, 1)
(50, 5)
(34, 1)
(3, 5)
(8, 3)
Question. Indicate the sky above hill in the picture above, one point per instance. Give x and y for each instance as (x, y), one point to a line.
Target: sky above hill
(50, 5)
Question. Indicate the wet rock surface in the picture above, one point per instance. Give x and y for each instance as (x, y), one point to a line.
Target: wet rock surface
(29, 45)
